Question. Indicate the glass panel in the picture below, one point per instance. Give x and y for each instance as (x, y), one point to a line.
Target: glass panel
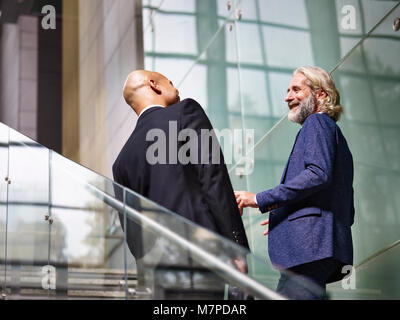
(223, 105)
(85, 256)
(367, 14)
(372, 72)
(87, 250)
(270, 156)
(356, 18)
(226, 8)
(179, 6)
(4, 132)
(210, 76)
(165, 27)
(149, 11)
(281, 12)
(370, 93)
(195, 83)
(177, 259)
(369, 83)
(27, 230)
(65, 239)
(267, 61)
(374, 278)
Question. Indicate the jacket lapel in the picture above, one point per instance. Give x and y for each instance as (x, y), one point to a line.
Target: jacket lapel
(287, 163)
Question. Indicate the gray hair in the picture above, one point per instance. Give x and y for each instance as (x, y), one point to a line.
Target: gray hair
(320, 79)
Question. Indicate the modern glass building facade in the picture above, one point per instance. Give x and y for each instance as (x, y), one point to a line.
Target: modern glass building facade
(236, 58)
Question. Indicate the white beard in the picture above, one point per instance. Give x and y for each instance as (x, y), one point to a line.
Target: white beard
(303, 110)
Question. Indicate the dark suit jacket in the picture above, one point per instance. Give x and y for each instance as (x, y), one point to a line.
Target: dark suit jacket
(312, 207)
(201, 193)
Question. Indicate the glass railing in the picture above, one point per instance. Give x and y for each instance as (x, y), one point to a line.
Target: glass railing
(69, 233)
(373, 278)
(368, 79)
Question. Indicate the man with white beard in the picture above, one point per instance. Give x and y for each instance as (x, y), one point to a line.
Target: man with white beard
(312, 209)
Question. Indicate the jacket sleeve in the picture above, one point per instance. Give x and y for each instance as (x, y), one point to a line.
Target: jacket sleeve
(319, 157)
(213, 175)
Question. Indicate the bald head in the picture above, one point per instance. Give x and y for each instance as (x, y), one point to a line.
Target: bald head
(143, 88)
(135, 81)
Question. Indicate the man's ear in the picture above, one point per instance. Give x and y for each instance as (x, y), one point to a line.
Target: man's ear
(155, 87)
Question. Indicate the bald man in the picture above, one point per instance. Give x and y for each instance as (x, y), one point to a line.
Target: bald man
(199, 192)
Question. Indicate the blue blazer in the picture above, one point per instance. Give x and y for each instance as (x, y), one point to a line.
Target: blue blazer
(312, 209)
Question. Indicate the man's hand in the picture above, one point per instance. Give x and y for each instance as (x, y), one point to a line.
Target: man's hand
(263, 224)
(245, 199)
(241, 265)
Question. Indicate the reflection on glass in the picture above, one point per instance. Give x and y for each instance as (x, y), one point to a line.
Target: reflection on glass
(300, 41)
(250, 49)
(279, 81)
(90, 238)
(195, 85)
(179, 5)
(86, 235)
(27, 229)
(283, 12)
(168, 27)
(270, 158)
(4, 132)
(369, 83)
(176, 259)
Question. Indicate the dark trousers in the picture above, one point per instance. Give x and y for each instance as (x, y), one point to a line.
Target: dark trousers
(308, 281)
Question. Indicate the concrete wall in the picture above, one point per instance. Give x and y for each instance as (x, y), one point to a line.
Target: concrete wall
(28, 82)
(110, 47)
(70, 81)
(18, 94)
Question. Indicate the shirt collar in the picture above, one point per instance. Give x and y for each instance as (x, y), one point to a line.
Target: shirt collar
(149, 107)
